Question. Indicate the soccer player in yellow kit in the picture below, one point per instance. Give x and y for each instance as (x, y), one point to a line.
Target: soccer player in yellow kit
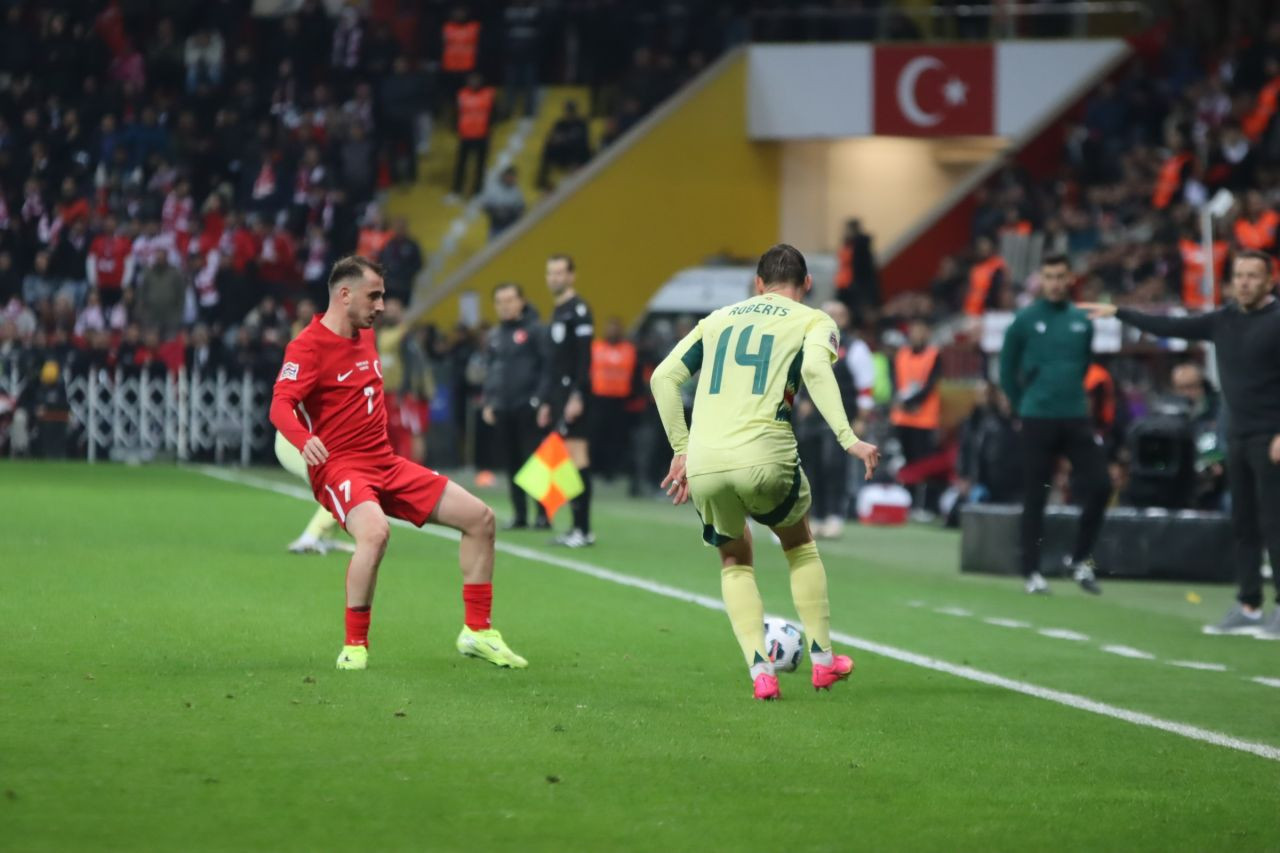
(740, 459)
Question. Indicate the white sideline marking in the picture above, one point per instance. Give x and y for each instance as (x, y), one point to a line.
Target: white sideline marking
(1195, 664)
(952, 611)
(1071, 700)
(1128, 652)
(1063, 634)
(1269, 682)
(1006, 623)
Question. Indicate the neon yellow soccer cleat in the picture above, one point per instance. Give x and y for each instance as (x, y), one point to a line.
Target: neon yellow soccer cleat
(354, 657)
(489, 645)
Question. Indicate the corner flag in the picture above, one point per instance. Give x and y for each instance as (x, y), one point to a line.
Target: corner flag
(550, 476)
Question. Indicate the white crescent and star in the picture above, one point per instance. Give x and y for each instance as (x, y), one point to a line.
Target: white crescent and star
(954, 91)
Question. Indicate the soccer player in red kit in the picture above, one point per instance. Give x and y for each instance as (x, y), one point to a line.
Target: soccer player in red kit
(328, 402)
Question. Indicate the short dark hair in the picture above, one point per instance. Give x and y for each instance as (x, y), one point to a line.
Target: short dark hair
(352, 266)
(568, 260)
(1055, 259)
(782, 264)
(508, 285)
(1254, 255)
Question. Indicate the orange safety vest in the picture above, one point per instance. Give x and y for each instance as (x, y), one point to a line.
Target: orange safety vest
(370, 242)
(1260, 235)
(475, 106)
(844, 267)
(1098, 377)
(1255, 123)
(1169, 179)
(980, 279)
(461, 43)
(1193, 272)
(913, 368)
(612, 368)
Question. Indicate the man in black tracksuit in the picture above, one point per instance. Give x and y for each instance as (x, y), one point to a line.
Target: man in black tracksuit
(516, 356)
(1046, 353)
(1246, 335)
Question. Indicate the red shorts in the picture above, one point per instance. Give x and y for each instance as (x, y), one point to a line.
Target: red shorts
(402, 488)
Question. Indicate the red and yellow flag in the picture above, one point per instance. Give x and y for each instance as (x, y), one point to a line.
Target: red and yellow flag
(550, 476)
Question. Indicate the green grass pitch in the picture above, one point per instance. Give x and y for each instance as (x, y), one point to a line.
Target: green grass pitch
(167, 683)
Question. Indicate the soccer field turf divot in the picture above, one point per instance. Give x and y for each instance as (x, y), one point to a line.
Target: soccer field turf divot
(1070, 700)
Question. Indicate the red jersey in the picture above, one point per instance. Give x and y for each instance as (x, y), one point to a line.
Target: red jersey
(331, 387)
(110, 255)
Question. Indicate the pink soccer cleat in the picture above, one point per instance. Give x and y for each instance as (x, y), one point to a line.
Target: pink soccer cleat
(767, 687)
(825, 676)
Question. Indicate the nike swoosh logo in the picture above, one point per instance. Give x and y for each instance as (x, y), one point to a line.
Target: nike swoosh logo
(342, 377)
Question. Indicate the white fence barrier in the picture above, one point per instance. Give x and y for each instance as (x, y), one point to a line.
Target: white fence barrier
(122, 415)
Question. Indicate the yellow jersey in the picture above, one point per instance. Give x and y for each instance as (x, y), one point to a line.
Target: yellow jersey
(751, 358)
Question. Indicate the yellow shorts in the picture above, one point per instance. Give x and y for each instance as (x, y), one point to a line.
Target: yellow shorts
(775, 495)
(291, 458)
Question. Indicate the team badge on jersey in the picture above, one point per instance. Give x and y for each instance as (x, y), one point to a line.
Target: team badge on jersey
(289, 371)
(520, 336)
(835, 342)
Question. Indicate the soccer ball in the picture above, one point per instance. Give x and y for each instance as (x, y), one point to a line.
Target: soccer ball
(785, 643)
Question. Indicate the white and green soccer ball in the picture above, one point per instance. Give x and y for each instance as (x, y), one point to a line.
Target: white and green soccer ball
(785, 643)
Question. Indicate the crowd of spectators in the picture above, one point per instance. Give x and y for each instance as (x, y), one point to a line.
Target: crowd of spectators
(177, 178)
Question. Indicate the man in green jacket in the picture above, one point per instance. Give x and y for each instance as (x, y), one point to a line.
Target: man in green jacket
(1046, 353)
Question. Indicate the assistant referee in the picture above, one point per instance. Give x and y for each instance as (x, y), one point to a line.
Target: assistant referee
(1046, 353)
(1246, 335)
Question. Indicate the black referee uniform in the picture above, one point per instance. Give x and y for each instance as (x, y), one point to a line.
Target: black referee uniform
(570, 333)
(1248, 350)
(517, 356)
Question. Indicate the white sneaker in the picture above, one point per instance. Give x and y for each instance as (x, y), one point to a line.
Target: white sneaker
(835, 527)
(337, 545)
(1037, 585)
(307, 544)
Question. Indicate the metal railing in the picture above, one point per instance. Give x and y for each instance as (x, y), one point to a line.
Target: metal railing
(126, 415)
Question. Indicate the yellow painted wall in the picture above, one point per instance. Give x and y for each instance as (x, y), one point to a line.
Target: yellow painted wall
(887, 182)
(691, 187)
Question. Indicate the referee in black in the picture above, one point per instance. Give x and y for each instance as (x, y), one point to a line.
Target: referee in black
(1246, 335)
(516, 356)
(1046, 353)
(565, 393)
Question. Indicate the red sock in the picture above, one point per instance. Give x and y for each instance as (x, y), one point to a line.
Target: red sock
(358, 626)
(478, 598)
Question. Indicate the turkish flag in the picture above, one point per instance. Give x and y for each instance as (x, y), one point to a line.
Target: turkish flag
(926, 90)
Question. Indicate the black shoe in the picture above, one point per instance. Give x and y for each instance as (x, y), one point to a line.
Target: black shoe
(542, 524)
(1083, 574)
(515, 525)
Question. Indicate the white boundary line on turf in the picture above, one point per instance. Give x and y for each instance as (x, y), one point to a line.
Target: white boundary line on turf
(1071, 700)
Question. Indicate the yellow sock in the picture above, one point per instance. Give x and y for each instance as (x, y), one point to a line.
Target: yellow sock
(809, 593)
(746, 611)
(321, 524)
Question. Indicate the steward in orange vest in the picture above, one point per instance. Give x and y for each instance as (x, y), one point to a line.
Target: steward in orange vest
(1193, 266)
(1100, 388)
(613, 368)
(1255, 124)
(475, 110)
(917, 403)
(1169, 181)
(613, 380)
(460, 44)
(1256, 229)
(986, 277)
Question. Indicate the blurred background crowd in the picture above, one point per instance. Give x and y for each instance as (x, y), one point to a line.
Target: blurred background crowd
(176, 179)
